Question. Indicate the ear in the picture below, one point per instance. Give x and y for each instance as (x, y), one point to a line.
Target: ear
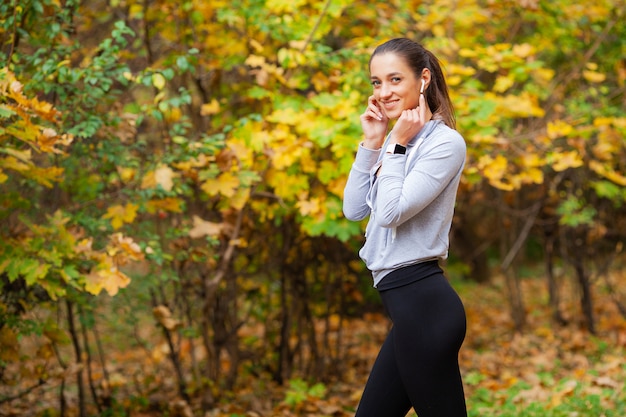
(426, 78)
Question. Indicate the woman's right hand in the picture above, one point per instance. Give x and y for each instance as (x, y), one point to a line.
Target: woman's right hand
(374, 124)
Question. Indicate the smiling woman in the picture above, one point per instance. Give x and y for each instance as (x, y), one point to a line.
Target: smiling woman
(406, 181)
(395, 85)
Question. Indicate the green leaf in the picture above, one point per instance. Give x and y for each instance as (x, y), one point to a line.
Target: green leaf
(6, 111)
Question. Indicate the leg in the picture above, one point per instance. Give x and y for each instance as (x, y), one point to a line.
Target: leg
(384, 394)
(429, 324)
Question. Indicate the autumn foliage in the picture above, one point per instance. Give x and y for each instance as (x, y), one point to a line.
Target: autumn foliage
(171, 178)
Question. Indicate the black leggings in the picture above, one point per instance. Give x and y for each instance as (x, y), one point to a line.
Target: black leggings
(418, 363)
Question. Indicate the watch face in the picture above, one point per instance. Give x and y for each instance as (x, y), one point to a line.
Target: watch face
(396, 148)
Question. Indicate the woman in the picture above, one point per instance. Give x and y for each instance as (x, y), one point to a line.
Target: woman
(406, 182)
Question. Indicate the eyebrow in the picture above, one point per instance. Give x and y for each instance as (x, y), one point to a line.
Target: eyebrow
(393, 74)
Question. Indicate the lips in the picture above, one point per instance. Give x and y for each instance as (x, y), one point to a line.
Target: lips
(390, 105)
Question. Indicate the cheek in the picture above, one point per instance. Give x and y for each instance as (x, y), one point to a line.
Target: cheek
(412, 102)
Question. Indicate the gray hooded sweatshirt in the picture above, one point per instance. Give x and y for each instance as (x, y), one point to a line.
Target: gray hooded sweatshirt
(411, 200)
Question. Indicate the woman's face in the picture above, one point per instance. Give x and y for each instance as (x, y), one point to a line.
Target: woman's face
(396, 88)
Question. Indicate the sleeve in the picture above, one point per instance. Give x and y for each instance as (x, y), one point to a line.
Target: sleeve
(354, 205)
(401, 196)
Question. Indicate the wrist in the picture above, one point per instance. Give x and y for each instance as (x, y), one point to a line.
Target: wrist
(400, 141)
(373, 144)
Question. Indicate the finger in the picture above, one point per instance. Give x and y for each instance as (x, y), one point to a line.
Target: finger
(422, 107)
(375, 115)
(371, 114)
(411, 115)
(376, 108)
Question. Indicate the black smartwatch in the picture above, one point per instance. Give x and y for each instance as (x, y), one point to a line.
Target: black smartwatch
(396, 148)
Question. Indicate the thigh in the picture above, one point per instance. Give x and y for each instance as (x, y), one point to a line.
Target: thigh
(384, 393)
(428, 316)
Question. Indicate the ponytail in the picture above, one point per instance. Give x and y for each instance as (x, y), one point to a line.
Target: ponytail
(438, 97)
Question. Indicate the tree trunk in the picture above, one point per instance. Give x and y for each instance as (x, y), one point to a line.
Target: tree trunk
(516, 301)
(553, 287)
(586, 300)
(78, 354)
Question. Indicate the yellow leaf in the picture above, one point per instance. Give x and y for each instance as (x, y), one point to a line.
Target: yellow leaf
(559, 128)
(171, 204)
(620, 122)
(284, 157)
(565, 160)
(240, 199)
(321, 82)
(468, 53)
(135, 11)
(532, 176)
(287, 116)
(84, 246)
(121, 214)
(309, 207)
(24, 156)
(200, 161)
(501, 185)
(532, 160)
(503, 83)
(106, 277)
(158, 80)
(255, 61)
(244, 153)
(454, 80)
(47, 140)
(523, 50)
(14, 164)
(163, 176)
(462, 70)
(594, 77)
(210, 108)
(604, 150)
(226, 184)
(203, 228)
(126, 174)
(287, 186)
(494, 169)
(337, 186)
(523, 105)
(283, 6)
(258, 46)
(439, 31)
(544, 74)
(607, 172)
(122, 249)
(46, 176)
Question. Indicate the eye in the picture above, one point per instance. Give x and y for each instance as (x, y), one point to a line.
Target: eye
(396, 80)
(375, 83)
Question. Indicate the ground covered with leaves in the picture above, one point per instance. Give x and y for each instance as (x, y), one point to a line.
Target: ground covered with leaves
(548, 370)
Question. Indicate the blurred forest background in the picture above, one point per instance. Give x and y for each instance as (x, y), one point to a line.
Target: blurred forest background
(171, 175)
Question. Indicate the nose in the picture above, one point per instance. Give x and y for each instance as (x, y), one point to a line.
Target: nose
(385, 90)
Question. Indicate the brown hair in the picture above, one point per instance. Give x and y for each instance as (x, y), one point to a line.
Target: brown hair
(417, 58)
